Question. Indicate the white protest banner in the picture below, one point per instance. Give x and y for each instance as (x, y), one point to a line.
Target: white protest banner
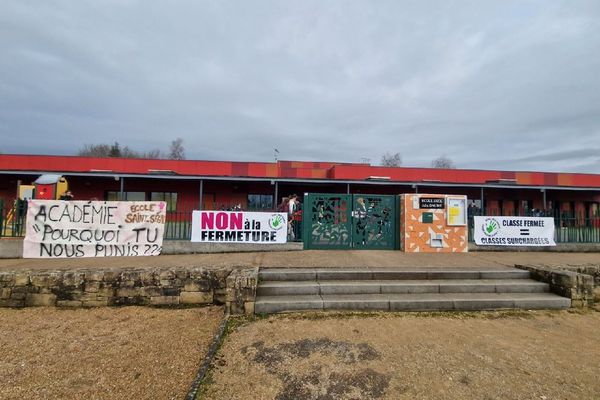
(514, 231)
(73, 229)
(239, 227)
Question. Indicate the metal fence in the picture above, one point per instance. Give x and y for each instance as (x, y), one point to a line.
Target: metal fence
(12, 219)
(569, 226)
(178, 224)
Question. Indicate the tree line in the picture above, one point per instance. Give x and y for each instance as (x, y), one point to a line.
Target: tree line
(177, 152)
(102, 150)
(395, 160)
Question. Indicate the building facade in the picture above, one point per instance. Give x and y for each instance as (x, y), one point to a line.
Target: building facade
(190, 184)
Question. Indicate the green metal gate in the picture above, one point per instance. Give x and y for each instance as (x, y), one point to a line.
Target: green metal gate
(350, 221)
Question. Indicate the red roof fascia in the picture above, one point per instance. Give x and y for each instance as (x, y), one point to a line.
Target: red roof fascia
(417, 175)
(130, 165)
(289, 169)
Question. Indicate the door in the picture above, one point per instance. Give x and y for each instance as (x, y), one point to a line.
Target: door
(327, 221)
(344, 221)
(374, 222)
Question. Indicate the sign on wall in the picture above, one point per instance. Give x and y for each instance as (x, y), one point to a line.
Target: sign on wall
(457, 211)
(431, 202)
(239, 227)
(514, 231)
(74, 229)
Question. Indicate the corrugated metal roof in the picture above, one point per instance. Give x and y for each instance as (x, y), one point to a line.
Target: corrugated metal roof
(48, 179)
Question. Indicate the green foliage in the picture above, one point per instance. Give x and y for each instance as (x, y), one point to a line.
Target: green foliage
(115, 150)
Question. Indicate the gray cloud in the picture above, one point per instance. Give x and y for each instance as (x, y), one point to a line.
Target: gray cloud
(580, 159)
(564, 155)
(498, 85)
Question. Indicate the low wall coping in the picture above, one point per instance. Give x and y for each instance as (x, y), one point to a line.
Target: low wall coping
(580, 288)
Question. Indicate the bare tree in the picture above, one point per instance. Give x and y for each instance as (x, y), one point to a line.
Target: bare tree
(443, 162)
(177, 151)
(94, 150)
(153, 154)
(391, 160)
(126, 152)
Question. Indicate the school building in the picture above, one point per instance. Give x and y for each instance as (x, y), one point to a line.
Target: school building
(192, 184)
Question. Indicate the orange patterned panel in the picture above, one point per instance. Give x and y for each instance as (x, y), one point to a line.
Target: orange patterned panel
(523, 178)
(272, 171)
(565, 180)
(416, 235)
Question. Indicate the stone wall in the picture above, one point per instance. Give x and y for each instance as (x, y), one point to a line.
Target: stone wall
(580, 288)
(117, 287)
(592, 270)
(241, 290)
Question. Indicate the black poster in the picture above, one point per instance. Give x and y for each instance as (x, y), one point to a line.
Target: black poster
(431, 202)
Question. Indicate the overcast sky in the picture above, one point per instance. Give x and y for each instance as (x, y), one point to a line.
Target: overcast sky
(491, 84)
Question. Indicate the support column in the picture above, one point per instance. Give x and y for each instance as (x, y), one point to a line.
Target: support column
(347, 188)
(545, 206)
(122, 191)
(482, 202)
(201, 206)
(276, 199)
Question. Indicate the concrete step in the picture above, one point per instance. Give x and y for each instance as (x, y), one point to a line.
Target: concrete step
(321, 274)
(411, 302)
(280, 288)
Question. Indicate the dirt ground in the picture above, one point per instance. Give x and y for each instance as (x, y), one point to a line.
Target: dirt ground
(509, 355)
(313, 258)
(103, 353)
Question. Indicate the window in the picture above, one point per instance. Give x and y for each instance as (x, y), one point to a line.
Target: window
(260, 202)
(135, 196)
(129, 196)
(169, 197)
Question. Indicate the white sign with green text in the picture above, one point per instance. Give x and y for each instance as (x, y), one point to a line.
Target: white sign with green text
(514, 231)
(239, 227)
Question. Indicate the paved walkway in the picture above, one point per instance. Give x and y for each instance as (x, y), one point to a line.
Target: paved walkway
(315, 258)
